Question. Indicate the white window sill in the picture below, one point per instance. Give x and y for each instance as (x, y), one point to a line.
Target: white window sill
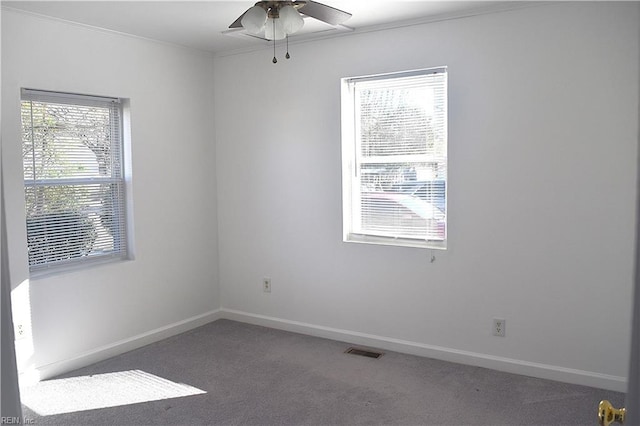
(75, 266)
(398, 242)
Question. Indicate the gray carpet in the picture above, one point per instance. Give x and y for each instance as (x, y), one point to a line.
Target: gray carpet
(259, 376)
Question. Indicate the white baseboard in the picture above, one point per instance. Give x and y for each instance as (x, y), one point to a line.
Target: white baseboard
(50, 370)
(532, 369)
(526, 368)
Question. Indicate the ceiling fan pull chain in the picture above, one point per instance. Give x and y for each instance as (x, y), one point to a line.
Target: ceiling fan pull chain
(287, 55)
(274, 44)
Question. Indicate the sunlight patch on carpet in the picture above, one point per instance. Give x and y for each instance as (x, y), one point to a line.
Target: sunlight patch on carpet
(82, 393)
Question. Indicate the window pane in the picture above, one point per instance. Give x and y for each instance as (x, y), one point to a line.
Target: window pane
(401, 215)
(66, 222)
(66, 141)
(397, 122)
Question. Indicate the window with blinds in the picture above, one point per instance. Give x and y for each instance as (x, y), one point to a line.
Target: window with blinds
(72, 153)
(394, 148)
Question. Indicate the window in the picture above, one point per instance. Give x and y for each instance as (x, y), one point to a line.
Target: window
(394, 150)
(74, 179)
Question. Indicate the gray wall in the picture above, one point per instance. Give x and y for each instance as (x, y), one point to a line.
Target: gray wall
(172, 283)
(543, 122)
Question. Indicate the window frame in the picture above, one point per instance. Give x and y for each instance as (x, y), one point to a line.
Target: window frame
(351, 161)
(119, 176)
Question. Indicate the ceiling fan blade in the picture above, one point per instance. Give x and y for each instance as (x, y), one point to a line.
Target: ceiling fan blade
(324, 13)
(238, 22)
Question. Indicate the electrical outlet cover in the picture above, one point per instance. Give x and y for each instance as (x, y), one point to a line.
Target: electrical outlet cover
(499, 325)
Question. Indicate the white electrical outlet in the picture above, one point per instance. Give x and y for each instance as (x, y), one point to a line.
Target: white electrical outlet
(266, 285)
(499, 327)
(20, 331)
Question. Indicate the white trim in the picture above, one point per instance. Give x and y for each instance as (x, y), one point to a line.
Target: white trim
(392, 75)
(51, 96)
(342, 30)
(43, 16)
(394, 241)
(499, 7)
(509, 365)
(125, 345)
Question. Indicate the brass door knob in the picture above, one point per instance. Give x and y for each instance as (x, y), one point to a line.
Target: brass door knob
(607, 414)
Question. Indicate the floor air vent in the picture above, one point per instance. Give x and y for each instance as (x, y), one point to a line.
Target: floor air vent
(363, 352)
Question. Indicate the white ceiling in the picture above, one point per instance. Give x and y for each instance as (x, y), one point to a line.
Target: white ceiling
(202, 24)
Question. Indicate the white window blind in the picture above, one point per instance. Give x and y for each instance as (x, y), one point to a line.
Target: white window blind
(395, 158)
(74, 179)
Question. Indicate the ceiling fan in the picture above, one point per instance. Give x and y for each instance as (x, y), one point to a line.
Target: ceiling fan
(276, 20)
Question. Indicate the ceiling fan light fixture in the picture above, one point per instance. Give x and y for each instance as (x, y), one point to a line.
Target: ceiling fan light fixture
(278, 19)
(291, 20)
(254, 19)
(273, 29)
